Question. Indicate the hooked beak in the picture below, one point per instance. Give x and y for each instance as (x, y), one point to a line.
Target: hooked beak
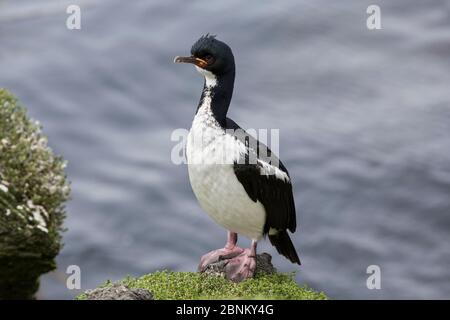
(196, 61)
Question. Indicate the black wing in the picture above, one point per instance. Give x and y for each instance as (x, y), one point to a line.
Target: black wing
(274, 193)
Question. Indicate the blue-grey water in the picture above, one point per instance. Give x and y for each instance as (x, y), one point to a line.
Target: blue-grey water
(364, 119)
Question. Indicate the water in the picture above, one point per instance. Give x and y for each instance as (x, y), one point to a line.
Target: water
(364, 118)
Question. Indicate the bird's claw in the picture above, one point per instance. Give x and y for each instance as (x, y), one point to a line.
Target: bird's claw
(217, 255)
(241, 267)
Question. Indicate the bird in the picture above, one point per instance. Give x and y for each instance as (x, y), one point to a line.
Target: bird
(243, 189)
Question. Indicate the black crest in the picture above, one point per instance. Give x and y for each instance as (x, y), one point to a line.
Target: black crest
(206, 41)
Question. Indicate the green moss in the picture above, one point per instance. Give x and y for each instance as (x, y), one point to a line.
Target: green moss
(167, 285)
(33, 189)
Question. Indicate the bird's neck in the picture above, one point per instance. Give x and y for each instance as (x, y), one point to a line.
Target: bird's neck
(216, 95)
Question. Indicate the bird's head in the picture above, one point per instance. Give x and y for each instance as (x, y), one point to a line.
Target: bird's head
(210, 55)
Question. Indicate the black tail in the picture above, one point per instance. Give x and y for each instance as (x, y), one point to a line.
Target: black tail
(284, 246)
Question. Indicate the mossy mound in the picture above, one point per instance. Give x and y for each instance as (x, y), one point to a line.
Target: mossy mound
(33, 189)
(167, 285)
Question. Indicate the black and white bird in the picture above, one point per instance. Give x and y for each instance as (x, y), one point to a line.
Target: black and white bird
(251, 198)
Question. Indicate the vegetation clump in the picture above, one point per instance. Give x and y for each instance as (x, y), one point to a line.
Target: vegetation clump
(33, 190)
(168, 285)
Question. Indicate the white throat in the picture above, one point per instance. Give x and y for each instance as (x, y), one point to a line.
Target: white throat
(210, 78)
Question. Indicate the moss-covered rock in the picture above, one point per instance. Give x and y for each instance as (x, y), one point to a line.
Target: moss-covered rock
(33, 189)
(168, 285)
(118, 291)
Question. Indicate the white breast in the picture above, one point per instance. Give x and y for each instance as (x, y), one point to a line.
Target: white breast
(211, 154)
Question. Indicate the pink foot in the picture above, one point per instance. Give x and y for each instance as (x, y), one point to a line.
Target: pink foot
(241, 267)
(219, 254)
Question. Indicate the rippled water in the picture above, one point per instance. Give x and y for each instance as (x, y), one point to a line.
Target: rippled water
(364, 118)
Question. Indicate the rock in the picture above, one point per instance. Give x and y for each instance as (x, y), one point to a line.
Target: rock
(263, 265)
(118, 291)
